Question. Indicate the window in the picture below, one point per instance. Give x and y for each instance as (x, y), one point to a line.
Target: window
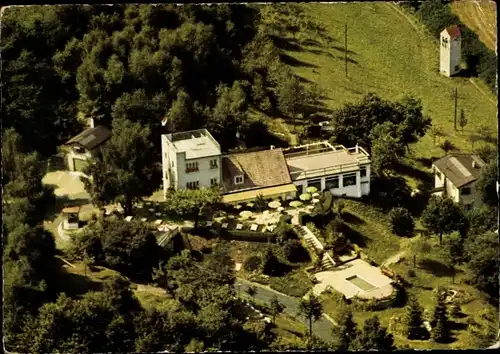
(213, 181)
(465, 191)
(444, 43)
(349, 180)
(191, 167)
(314, 183)
(332, 182)
(362, 171)
(238, 179)
(193, 185)
(213, 163)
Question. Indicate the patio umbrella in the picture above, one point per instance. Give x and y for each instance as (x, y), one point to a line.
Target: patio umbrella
(280, 209)
(250, 205)
(295, 203)
(274, 204)
(305, 196)
(246, 214)
(315, 200)
(311, 189)
(315, 195)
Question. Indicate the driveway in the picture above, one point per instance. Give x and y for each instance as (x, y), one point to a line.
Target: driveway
(321, 328)
(66, 184)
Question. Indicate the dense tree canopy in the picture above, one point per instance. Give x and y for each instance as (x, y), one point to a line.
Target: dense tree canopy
(443, 216)
(486, 185)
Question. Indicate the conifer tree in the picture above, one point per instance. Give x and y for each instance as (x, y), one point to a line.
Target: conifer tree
(440, 330)
(346, 331)
(413, 319)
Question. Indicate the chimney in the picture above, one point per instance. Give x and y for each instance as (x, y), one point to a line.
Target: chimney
(357, 149)
(90, 122)
(474, 165)
(272, 147)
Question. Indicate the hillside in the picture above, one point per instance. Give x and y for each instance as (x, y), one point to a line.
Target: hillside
(479, 16)
(389, 54)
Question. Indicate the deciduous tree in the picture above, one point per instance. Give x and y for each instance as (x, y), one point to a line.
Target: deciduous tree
(312, 309)
(374, 337)
(486, 185)
(402, 223)
(443, 216)
(346, 332)
(276, 307)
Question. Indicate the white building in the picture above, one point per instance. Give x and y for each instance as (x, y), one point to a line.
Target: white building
(450, 51)
(85, 145)
(193, 159)
(342, 171)
(190, 159)
(455, 176)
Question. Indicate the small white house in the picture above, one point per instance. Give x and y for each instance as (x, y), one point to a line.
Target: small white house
(342, 171)
(190, 159)
(85, 145)
(455, 176)
(450, 51)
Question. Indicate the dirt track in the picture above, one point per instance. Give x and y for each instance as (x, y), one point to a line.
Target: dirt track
(479, 16)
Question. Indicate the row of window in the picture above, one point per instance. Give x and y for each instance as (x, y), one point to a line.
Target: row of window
(196, 184)
(334, 181)
(193, 166)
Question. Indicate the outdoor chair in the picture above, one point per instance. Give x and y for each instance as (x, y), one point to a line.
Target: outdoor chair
(144, 219)
(225, 225)
(239, 226)
(128, 218)
(254, 227)
(209, 223)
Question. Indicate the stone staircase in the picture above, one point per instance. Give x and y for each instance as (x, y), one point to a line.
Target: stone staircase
(327, 263)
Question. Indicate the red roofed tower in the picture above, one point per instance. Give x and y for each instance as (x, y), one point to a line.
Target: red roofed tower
(450, 51)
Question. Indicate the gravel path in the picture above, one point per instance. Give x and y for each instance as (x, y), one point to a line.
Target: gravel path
(321, 328)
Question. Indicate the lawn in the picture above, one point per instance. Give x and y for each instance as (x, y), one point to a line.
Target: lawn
(423, 284)
(370, 229)
(405, 64)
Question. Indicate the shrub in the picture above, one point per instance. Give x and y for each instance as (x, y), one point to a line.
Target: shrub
(411, 273)
(252, 263)
(295, 252)
(401, 222)
(270, 264)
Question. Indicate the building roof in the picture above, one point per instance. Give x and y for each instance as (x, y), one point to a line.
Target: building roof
(453, 31)
(458, 167)
(71, 210)
(326, 161)
(91, 137)
(253, 193)
(195, 143)
(260, 169)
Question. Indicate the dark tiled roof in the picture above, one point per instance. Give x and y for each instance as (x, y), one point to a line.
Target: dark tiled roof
(453, 31)
(266, 168)
(91, 137)
(458, 168)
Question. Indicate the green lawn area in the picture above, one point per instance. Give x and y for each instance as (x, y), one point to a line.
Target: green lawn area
(370, 230)
(390, 56)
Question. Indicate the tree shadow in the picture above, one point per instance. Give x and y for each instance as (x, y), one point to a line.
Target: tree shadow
(349, 60)
(437, 268)
(341, 49)
(458, 326)
(354, 236)
(287, 59)
(351, 218)
(404, 169)
(286, 44)
(426, 162)
(75, 284)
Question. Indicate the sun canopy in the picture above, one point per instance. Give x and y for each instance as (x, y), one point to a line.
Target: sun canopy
(252, 194)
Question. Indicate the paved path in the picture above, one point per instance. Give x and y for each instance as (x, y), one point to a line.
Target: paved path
(321, 328)
(394, 259)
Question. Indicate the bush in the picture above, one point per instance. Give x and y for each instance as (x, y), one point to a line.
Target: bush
(294, 284)
(294, 252)
(411, 273)
(252, 263)
(401, 222)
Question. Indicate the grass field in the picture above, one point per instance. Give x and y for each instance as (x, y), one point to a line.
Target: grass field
(390, 54)
(481, 17)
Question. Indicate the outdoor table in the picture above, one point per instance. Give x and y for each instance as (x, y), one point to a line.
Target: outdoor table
(254, 227)
(271, 227)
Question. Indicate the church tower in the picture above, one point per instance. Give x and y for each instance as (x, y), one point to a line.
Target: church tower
(450, 51)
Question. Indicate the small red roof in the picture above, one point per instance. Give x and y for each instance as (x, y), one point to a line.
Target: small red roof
(453, 31)
(71, 210)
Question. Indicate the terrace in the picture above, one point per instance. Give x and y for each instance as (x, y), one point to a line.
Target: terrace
(322, 159)
(194, 143)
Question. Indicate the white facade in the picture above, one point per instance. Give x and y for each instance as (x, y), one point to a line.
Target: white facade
(190, 160)
(467, 195)
(344, 172)
(450, 53)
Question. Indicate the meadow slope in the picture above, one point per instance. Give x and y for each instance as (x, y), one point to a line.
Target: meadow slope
(390, 54)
